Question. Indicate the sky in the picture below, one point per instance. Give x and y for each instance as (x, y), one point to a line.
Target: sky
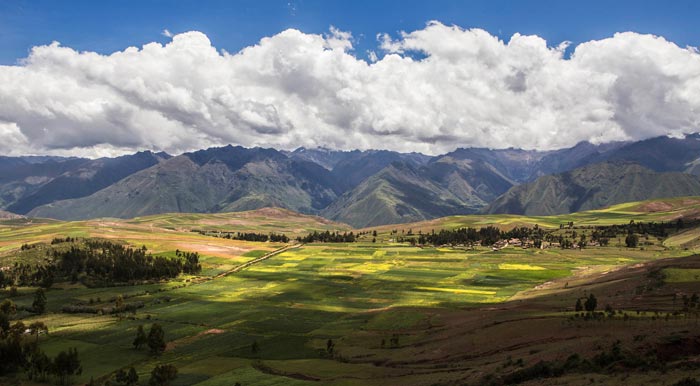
(105, 78)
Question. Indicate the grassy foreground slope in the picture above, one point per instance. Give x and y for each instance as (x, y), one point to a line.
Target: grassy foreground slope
(396, 314)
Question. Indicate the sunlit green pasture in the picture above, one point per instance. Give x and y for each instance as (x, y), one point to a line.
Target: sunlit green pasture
(292, 303)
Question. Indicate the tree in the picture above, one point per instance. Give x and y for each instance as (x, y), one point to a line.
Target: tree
(120, 376)
(129, 378)
(631, 240)
(39, 304)
(163, 375)
(591, 303)
(4, 323)
(39, 366)
(65, 365)
(156, 339)
(394, 341)
(140, 339)
(579, 306)
(8, 307)
(133, 377)
(37, 327)
(330, 346)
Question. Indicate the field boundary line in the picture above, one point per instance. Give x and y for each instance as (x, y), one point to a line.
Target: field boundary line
(257, 260)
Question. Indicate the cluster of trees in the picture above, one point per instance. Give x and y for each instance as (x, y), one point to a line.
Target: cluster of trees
(61, 240)
(102, 262)
(161, 375)
(462, 236)
(18, 350)
(589, 304)
(113, 262)
(600, 234)
(190, 262)
(328, 237)
(488, 235)
(21, 274)
(155, 340)
(26, 247)
(632, 230)
(248, 236)
(8, 307)
(608, 359)
(127, 378)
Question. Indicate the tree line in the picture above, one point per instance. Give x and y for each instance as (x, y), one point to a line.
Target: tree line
(486, 236)
(247, 236)
(328, 237)
(600, 234)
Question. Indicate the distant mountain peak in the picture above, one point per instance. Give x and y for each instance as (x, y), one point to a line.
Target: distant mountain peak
(358, 186)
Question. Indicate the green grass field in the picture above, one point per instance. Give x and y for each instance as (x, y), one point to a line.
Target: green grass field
(292, 303)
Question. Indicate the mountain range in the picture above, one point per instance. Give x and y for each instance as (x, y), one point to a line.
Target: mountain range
(361, 188)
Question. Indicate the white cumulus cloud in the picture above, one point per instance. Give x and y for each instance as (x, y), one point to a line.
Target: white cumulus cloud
(464, 88)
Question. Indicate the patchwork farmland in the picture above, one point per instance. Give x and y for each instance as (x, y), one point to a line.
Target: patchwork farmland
(375, 311)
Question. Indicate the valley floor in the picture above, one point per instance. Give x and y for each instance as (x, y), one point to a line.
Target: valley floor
(380, 313)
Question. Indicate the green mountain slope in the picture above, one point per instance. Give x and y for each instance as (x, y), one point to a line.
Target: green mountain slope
(404, 192)
(213, 180)
(87, 178)
(592, 187)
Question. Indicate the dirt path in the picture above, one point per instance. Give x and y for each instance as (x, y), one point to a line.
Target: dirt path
(243, 266)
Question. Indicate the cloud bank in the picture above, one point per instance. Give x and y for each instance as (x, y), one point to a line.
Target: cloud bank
(429, 90)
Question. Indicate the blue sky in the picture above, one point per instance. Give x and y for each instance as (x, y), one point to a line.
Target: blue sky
(460, 81)
(108, 26)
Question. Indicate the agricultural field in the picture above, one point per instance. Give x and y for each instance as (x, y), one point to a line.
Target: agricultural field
(373, 312)
(643, 211)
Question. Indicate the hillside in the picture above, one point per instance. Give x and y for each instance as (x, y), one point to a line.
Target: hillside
(404, 192)
(359, 166)
(358, 187)
(28, 182)
(215, 180)
(21, 176)
(5, 215)
(661, 154)
(397, 194)
(592, 187)
(87, 178)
